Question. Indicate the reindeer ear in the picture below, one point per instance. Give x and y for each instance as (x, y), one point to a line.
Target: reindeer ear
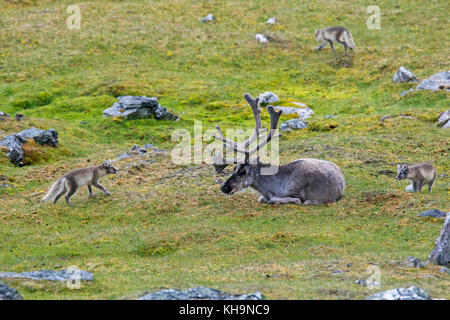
(220, 167)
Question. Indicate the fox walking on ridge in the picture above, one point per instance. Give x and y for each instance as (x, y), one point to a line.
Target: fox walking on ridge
(77, 178)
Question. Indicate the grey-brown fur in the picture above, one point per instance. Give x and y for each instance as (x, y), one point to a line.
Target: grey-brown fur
(419, 174)
(77, 178)
(304, 181)
(334, 34)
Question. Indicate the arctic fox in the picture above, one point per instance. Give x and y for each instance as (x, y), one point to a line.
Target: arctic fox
(419, 174)
(77, 178)
(335, 34)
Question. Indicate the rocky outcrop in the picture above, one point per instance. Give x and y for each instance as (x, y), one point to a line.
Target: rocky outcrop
(139, 107)
(199, 293)
(404, 75)
(441, 251)
(8, 293)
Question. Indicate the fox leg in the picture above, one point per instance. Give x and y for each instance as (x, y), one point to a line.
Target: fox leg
(321, 46)
(90, 191)
(430, 186)
(419, 186)
(331, 44)
(64, 190)
(97, 185)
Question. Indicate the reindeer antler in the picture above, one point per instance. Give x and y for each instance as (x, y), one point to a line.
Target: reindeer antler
(220, 162)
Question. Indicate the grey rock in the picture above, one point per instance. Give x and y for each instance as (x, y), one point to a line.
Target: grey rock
(411, 293)
(272, 20)
(149, 146)
(441, 251)
(268, 97)
(19, 117)
(8, 293)
(303, 113)
(59, 275)
(338, 272)
(436, 82)
(445, 270)
(413, 262)
(4, 114)
(208, 18)
(404, 75)
(444, 118)
(433, 213)
(42, 137)
(446, 126)
(366, 283)
(139, 107)
(294, 124)
(409, 188)
(262, 39)
(330, 116)
(14, 144)
(199, 293)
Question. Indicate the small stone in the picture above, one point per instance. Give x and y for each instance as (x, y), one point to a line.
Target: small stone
(208, 18)
(404, 75)
(445, 270)
(268, 97)
(409, 188)
(4, 114)
(433, 213)
(413, 262)
(8, 293)
(261, 38)
(411, 293)
(272, 20)
(404, 93)
(199, 293)
(338, 271)
(444, 118)
(19, 117)
(294, 124)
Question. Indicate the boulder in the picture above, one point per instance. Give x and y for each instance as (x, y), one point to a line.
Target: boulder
(404, 75)
(268, 97)
(438, 81)
(8, 293)
(441, 251)
(294, 124)
(433, 213)
(199, 293)
(139, 107)
(43, 137)
(411, 293)
(59, 275)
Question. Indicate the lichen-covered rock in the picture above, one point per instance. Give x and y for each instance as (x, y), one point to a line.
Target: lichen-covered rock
(8, 293)
(59, 275)
(441, 251)
(438, 81)
(139, 107)
(404, 75)
(303, 113)
(268, 97)
(199, 293)
(43, 137)
(411, 293)
(14, 144)
(294, 124)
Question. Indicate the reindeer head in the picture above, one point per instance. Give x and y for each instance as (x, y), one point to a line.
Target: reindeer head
(246, 171)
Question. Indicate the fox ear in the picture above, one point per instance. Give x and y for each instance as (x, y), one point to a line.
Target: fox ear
(106, 164)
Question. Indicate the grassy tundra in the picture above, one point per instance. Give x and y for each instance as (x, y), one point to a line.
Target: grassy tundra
(167, 225)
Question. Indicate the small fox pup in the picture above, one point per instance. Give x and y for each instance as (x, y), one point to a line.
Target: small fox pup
(335, 34)
(77, 178)
(419, 174)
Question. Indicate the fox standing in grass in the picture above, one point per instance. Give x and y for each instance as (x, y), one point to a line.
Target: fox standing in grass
(419, 174)
(335, 34)
(77, 178)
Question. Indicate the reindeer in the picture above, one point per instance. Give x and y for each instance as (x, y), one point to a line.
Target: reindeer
(303, 181)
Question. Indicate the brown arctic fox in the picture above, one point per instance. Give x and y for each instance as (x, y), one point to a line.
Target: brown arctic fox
(335, 34)
(77, 178)
(419, 174)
